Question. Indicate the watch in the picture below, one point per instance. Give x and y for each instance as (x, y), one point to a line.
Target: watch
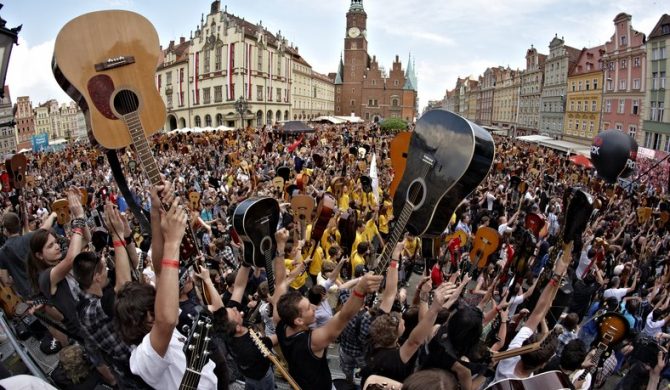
(354, 32)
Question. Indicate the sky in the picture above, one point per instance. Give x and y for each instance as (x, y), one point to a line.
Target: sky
(447, 38)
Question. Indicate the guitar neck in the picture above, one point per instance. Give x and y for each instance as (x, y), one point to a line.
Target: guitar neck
(269, 273)
(394, 238)
(498, 356)
(190, 380)
(270, 356)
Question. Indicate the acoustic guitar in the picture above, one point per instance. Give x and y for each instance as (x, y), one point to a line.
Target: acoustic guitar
(448, 157)
(554, 380)
(398, 149)
(268, 354)
(196, 350)
(106, 62)
(612, 329)
(255, 221)
(484, 244)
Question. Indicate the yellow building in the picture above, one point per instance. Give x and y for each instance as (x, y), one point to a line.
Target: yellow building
(583, 107)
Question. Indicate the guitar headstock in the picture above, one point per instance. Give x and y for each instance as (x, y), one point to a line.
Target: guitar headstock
(196, 347)
(303, 207)
(259, 343)
(194, 200)
(577, 214)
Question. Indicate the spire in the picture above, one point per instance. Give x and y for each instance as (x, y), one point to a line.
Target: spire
(340, 72)
(411, 82)
(356, 5)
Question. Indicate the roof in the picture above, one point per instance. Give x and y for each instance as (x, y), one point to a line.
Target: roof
(180, 51)
(658, 29)
(588, 56)
(296, 127)
(340, 73)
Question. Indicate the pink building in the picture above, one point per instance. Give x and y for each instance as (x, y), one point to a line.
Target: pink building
(625, 69)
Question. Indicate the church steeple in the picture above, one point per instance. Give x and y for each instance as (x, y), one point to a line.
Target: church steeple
(340, 72)
(356, 5)
(410, 75)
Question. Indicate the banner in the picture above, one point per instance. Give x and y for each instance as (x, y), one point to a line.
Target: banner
(375, 178)
(231, 66)
(249, 57)
(181, 91)
(197, 66)
(40, 142)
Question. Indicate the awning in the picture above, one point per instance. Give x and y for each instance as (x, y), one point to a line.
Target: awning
(567, 146)
(296, 127)
(329, 119)
(534, 138)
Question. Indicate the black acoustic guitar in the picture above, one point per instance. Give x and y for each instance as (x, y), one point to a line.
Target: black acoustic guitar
(448, 157)
(255, 221)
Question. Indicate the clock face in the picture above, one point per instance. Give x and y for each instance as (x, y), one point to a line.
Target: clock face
(354, 32)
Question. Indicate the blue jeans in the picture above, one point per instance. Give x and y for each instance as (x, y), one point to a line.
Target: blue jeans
(349, 363)
(265, 383)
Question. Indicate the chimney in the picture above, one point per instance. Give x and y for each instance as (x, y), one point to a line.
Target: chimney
(171, 44)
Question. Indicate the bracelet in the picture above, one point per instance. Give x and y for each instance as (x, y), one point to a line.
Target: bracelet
(553, 282)
(78, 223)
(118, 243)
(358, 294)
(170, 263)
(77, 230)
(394, 264)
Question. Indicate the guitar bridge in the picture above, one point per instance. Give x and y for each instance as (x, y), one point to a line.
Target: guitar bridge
(115, 62)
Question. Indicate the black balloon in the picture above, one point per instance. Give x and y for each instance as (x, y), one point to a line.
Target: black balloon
(613, 153)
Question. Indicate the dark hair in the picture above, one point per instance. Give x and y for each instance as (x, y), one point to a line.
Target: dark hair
(536, 359)
(465, 328)
(35, 265)
(434, 379)
(315, 294)
(570, 321)
(132, 304)
(223, 327)
(230, 279)
(287, 307)
(84, 267)
(363, 247)
(12, 223)
(573, 355)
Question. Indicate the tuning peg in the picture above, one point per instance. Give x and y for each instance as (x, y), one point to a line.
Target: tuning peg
(185, 328)
(196, 335)
(190, 317)
(207, 339)
(206, 353)
(200, 323)
(191, 347)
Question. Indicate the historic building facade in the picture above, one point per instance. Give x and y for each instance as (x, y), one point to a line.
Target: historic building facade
(362, 87)
(25, 122)
(625, 68)
(506, 99)
(7, 130)
(531, 91)
(227, 59)
(487, 91)
(656, 125)
(561, 60)
(585, 88)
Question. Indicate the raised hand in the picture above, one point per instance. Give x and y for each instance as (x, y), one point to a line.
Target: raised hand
(114, 221)
(74, 201)
(173, 222)
(369, 283)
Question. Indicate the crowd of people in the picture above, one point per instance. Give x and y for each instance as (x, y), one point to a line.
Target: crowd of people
(121, 300)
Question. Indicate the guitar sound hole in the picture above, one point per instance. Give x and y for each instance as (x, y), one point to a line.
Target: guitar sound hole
(416, 193)
(126, 102)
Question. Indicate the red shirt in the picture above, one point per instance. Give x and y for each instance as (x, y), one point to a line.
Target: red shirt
(436, 275)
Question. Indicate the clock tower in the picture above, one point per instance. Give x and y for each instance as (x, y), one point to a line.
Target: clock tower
(355, 57)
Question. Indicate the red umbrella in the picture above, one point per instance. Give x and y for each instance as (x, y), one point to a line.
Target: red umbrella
(581, 160)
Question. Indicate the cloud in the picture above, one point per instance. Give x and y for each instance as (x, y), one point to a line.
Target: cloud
(30, 74)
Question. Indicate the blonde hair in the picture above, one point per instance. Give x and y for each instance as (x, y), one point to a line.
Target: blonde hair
(74, 363)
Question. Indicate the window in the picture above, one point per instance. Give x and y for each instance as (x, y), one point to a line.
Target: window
(572, 105)
(593, 106)
(353, 102)
(623, 63)
(207, 53)
(395, 83)
(610, 65)
(654, 80)
(622, 84)
(595, 83)
(260, 60)
(218, 96)
(662, 80)
(653, 111)
(579, 86)
(217, 58)
(608, 105)
(636, 84)
(576, 125)
(278, 97)
(591, 126)
(618, 126)
(197, 121)
(623, 40)
(232, 91)
(622, 104)
(636, 62)
(208, 120)
(636, 106)
(588, 85)
(610, 84)
(279, 66)
(579, 105)
(206, 95)
(573, 86)
(168, 78)
(660, 111)
(632, 130)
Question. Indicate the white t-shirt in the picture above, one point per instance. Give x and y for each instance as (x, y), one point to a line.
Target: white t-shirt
(584, 262)
(514, 304)
(617, 293)
(587, 380)
(506, 367)
(167, 372)
(651, 328)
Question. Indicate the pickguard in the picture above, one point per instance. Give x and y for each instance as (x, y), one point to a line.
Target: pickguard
(101, 88)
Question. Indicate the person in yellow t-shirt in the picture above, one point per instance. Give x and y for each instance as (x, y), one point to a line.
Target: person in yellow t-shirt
(331, 236)
(360, 236)
(411, 253)
(343, 202)
(293, 260)
(358, 258)
(384, 220)
(316, 263)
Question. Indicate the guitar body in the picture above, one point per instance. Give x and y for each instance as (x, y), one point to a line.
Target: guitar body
(324, 212)
(448, 157)
(485, 243)
(100, 54)
(17, 170)
(535, 223)
(612, 328)
(398, 149)
(303, 206)
(255, 221)
(8, 299)
(551, 380)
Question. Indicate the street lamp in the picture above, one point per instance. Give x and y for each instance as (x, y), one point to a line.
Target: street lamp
(241, 106)
(8, 38)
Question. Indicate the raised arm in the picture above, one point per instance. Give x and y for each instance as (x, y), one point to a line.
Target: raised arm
(166, 306)
(77, 241)
(391, 289)
(549, 292)
(323, 336)
(157, 240)
(113, 220)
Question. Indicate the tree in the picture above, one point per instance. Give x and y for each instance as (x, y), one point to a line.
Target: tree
(393, 124)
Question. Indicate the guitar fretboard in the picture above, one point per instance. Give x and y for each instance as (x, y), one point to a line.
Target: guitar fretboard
(142, 147)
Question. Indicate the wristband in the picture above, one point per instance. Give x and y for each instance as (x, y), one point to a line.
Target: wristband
(357, 294)
(118, 243)
(553, 282)
(78, 231)
(394, 264)
(169, 263)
